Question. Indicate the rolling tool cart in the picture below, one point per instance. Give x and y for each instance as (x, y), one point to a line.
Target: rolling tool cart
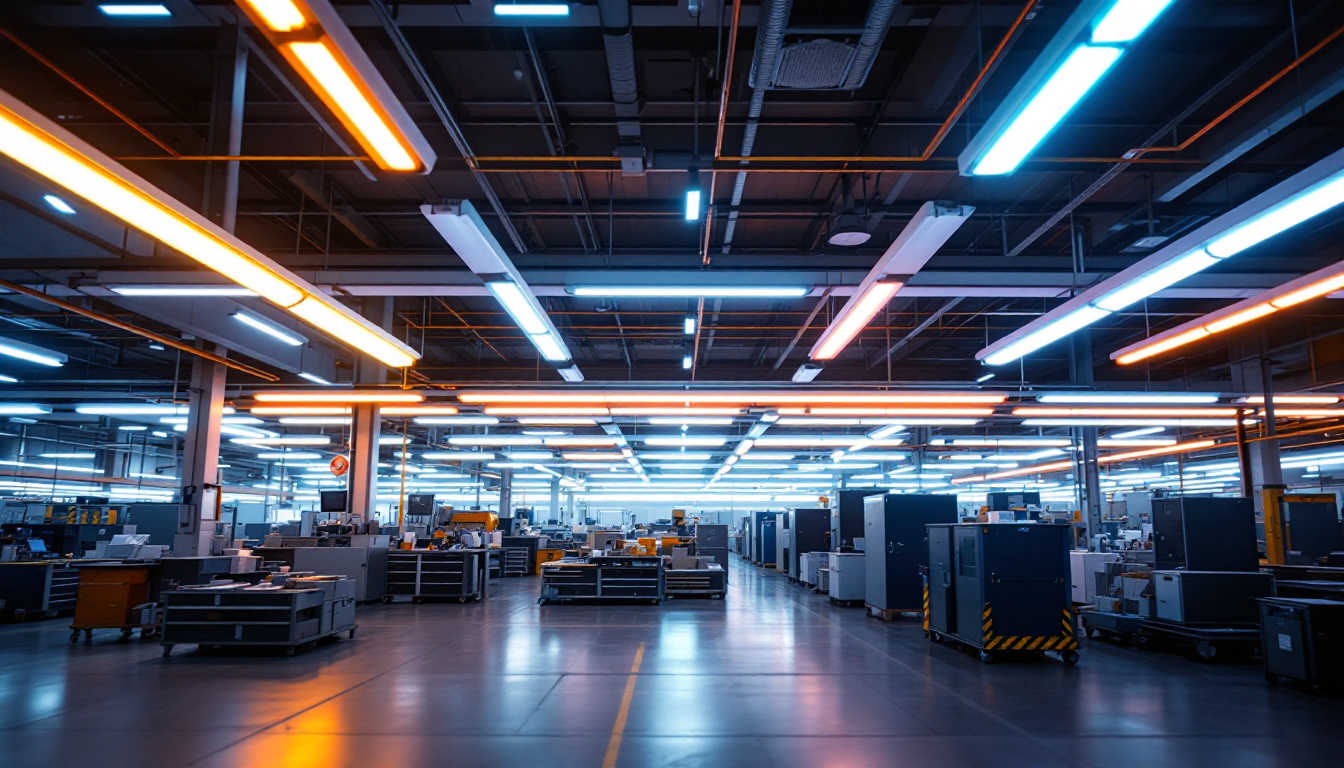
(420, 574)
(41, 587)
(315, 608)
(1002, 589)
(114, 596)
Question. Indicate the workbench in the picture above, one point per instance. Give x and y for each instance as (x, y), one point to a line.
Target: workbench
(458, 574)
(251, 616)
(38, 587)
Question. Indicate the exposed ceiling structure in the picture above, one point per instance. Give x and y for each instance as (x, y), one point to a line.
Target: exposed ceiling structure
(815, 131)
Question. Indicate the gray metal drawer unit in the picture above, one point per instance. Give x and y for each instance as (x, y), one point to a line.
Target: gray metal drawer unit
(897, 545)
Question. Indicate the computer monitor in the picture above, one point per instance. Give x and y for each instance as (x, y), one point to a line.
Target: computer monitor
(37, 546)
(334, 501)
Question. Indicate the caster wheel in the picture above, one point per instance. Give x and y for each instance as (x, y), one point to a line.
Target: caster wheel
(987, 657)
(387, 599)
(1206, 651)
(1092, 632)
(74, 636)
(936, 637)
(167, 650)
(352, 634)
(416, 599)
(461, 600)
(88, 636)
(290, 651)
(1144, 642)
(1070, 657)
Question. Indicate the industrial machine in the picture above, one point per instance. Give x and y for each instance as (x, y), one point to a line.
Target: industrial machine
(1014, 501)
(782, 552)
(712, 541)
(1301, 641)
(1083, 570)
(809, 531)
(764, 535)
(846, 585)
(1221, 598)
(896, 539)
(1205, 534)
(1002, 588)
(304, 611)
(847, 519)
(1300, 528)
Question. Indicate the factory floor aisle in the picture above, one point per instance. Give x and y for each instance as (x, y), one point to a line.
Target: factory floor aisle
(773, 676)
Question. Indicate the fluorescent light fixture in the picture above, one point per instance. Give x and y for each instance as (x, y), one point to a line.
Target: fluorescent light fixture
(134, 9)
(284, 440)
(318, 44)
(269, 328)
(691, 421)
(1127, 19)
(571, 374)
(463, 228)
(133, 428)
(315, 421)
(137, 409)
(557, 421)
(656, 456)
(855, 315)
(689, 291)
(296, 455)
(1131, 398)
(693, 204)
(929, 229)
(575, 440)
(31, 353)
(458, 456)
(456, 421)
(1071, 81)
(314, 378)
(1056, 330)
(531, 9)
(60, 205)
(51, 151)
(688, 326)
(984, 378)
(516, 302)
(487, 440)
(71, 455)
(686, 362)
(1303, 206)
(180, 290)
(1137, 433)
(1293, 400)
(347, 396)
(684, 442)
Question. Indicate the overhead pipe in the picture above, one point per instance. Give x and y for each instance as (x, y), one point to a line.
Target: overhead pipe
(152, 336)
(724, 91)
(619, 41)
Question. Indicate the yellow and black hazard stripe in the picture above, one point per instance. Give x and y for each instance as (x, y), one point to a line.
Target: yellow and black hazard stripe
(987, 616)
(1029, 643)
(926, 607)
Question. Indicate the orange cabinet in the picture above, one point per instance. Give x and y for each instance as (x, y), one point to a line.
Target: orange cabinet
(107, 593)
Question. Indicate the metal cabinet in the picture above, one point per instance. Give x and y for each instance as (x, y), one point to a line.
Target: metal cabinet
(1210, 597)
(47, 586)
(613, 577)
(895, 538)
(847, 577)
(431, 573)
(809, 530)
(263, 617)
(1205, 534)
(1302, 638)
(367, 566)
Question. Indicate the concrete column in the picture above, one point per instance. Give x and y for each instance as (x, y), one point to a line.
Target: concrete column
(1091, 481)
(379, 310)
(1254, 375)
(225, 135)
(555, 500)
(362, 479)
(505, 492)
(200, 451)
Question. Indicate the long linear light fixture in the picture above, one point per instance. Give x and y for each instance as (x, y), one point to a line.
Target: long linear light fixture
(1121, 412)
(1084, 50)
(463, 228)
(44, 147)
(31, 353)
(895, 412)
(1130, 398)
(1307, 194)
(312, 37)
(927, 231)
(1294, 399)
(1059, 466)
(1320, 283)
(347, 396)
(690, 291)
(729, 397)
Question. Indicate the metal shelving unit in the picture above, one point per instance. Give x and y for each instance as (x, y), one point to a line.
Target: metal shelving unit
(709, 582)
(430, 573)
(280, 617)
(515, 561)
(625, 577)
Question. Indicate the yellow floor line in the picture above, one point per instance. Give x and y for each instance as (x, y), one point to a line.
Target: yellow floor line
(617, 730)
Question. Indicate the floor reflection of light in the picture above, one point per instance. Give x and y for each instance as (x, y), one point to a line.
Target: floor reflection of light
(678, 641)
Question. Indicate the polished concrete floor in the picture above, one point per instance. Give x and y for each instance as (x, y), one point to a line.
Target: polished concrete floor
(773, 676)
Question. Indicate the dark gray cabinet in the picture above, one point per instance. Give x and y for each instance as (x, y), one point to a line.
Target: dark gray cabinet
(1204, 534)
(896, 542)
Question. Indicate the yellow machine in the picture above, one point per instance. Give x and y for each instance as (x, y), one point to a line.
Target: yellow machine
(648, 546)
(488, 520)
(548, 556)
(1278, 536)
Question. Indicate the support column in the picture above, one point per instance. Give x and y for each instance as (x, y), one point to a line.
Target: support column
(1255, 375)
(225, 136)
(1088, 480)
(362, 479)
(555, 500)
(200, 452)
(366, 425)
(506, 493)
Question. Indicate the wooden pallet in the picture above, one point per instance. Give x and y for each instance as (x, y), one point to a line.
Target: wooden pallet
(888, 614)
